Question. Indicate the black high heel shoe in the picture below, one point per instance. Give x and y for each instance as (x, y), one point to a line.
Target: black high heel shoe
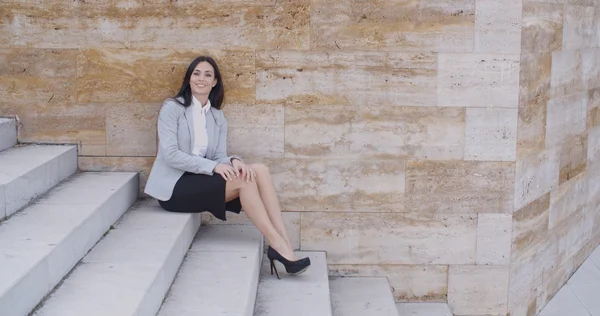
(291, 267)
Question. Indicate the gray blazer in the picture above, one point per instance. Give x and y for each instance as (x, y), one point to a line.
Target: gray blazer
(175, 139)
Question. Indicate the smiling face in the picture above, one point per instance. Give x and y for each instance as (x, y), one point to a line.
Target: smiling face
(202, 79)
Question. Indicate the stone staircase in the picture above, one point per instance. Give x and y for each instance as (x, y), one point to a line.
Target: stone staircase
(83, 243)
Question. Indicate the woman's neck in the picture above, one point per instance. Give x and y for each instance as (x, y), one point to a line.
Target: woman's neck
(202, 98)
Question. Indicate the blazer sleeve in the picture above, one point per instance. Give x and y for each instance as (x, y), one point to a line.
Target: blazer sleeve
(168, 141)
(221, 152)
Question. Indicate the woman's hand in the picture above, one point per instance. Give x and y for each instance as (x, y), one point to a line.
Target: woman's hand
(248, 174)
(226, 171)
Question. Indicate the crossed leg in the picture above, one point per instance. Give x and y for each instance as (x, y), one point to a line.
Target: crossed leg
(260, 203)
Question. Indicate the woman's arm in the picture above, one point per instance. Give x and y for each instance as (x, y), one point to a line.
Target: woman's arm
(167, 134)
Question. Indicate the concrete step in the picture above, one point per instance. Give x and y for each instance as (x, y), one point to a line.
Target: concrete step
(423, 309)
(42, 243)
(306, 294)
(29, 171)
(359, 296)
(220, 274)
(131, 269)
(8, 133)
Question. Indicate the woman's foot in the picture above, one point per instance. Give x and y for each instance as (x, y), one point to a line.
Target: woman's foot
(292, 267)
(286, 251)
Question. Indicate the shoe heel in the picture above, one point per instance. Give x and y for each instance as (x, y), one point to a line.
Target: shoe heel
(273, 267)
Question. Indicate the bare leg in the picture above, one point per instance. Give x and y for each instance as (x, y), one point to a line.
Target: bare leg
(254, 208)
(269, 198)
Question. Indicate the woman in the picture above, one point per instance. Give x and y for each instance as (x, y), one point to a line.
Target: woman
(192, 172)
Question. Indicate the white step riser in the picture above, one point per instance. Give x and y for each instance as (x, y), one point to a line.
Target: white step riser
(8, 133)
(155, 296)
(32, 288)
(358, 296)
(19, 192)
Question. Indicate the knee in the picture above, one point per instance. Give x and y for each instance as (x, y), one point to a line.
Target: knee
(261, 169)
(241, 184)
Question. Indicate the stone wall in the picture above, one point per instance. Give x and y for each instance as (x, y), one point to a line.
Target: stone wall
(556, 222)
(401, 134)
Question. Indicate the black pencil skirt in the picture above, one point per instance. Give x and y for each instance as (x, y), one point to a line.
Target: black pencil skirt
(195, 193)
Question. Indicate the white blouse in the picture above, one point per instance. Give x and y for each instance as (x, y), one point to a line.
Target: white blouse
(200, 133)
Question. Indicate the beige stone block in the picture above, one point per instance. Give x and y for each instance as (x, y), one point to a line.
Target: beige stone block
(478, 80)
(42, 76)
(536, 175)
(593, 153)
(65, 24)
(567, 74)
(375, 132)
(590, 65)
(580, 27)
(593, 109)
(143, 165)
(542, 26)
(584, 253)
(530, 229)
(344, 185)
(498, 33)
(545, 261)
(131, 129)
(231, 25)
(521, 300)
(409, 283)
(131, 76)
(459, 187)
(555, 281)
(478, 290)
(422, 25)
(494, 233)
(566, 200)
(534, 92)
(491, 134)
(291, 220)
(572, 234)
(255, 130)
(344, 78)
(384, 238)
(566, 116)
(573, 157)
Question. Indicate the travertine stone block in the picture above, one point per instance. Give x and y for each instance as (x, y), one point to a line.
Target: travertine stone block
(459, 187)
(498, 33)
(593, 154)
(128, 76)
(375, 132)
(128, 164)
(567, 116)
(534, 92)
(409, 283)
(545, 261)
(536, 175)
(573, 233)
(593, 108)
(422, 25)
(344, 78)
(590, 65)
(43, 77)
(522, 295)
(131, 129)
(567, 73)
(494, 239)
(573, 157)
(530, 229)
(554, 282)
(231, 25)
(491, 134)
(478, 80)
(579, 27)
(478, 290)
(566, 201)
(383, 238)
(65, 24)
(342, 185)
(255, 130)
(542, 29)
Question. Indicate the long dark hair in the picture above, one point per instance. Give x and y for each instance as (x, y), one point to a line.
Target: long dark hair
(216, 94)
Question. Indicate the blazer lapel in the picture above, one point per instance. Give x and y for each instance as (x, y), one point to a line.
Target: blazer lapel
(210, 133)
(189, 117)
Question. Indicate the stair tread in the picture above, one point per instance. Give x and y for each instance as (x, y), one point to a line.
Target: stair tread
(357, 296)
(45, 240)
(220, 274)
(17, 161)
(8, 133)
(304, 294)
(130, 270)
(423, 309)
